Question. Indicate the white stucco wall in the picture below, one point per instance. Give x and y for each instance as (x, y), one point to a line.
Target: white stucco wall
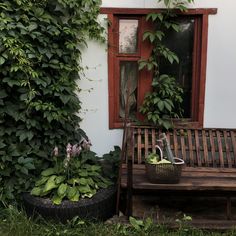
(220, 98)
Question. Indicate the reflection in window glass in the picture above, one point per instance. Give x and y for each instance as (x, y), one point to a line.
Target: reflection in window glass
(128, 29)
(182, 44)
(128, 78)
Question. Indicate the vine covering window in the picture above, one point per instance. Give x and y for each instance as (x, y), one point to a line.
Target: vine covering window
(126, 48)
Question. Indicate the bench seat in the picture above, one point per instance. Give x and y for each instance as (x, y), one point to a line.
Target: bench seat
(199, 179)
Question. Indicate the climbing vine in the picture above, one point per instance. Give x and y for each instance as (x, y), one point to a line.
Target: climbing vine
(40, 55)
(164, 102)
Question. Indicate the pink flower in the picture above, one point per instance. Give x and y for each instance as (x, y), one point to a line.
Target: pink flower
(55, 151)
(68, 150)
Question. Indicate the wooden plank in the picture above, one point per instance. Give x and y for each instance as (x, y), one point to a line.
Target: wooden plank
(146, 142)
(182, 143)
(232, 135)
(132, 145)
(214, 162)
(175, 142)
(218, 135)
(205, 148)
(229, 162)
(139, 146)
(197, 143)
(190, 147)
(153, 140)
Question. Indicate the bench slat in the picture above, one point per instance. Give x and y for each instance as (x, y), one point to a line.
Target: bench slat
(212, 149)
(220, 148)
(232, 136)
(205, 148)
(183, 150)
(175, 143)
(197, 143)
(227, 149)
(139, 144)
(190, 145)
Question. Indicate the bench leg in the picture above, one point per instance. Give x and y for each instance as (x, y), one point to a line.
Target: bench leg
(228, 208)
(129, 189)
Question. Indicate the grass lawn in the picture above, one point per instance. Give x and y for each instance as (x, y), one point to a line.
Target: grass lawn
(15, 223)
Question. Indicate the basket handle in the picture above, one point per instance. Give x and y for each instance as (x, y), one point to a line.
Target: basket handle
(161, 152)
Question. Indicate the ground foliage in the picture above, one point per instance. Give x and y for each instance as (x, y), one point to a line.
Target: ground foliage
(40, 42)
(15, 223)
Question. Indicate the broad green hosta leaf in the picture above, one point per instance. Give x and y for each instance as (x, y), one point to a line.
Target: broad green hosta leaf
(83, 173)
(73, 181)
(41, 181)
(50, 184)
(61, 191)
(83, 181)
(102, 185)
(60, 179)
(75, 198)
(72, 193)
(57, 199)
(36, 191)
(84, 189)
(95, 168)
(47, 172)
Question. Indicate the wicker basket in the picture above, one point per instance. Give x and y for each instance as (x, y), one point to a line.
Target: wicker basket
(166, 172)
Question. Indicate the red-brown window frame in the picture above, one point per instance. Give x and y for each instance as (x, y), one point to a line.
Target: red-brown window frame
(199, 62)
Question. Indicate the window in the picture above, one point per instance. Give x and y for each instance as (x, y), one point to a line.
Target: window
(126, 48)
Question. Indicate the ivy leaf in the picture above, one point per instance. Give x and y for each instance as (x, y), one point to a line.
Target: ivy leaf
(2, 60)
(160, 105)
(3, 93)
(32, 26)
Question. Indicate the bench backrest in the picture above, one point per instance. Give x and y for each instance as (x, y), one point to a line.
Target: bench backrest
(198, 147)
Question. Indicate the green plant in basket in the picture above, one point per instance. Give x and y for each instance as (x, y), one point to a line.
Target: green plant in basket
(72, 177)
(152, 158)
(155, 159)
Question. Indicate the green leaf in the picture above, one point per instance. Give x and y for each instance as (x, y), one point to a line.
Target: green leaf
(71, 192)
(2, 60)
(137, 224)
(73, 181)
(60, 179)
(41, 181)
(160, 105)
(48, 172)
(84, 189)
(61, 191)
(32, 26)
(36, 191)
(3, 93)
(142, 64)
(50, 184)
(57, 199)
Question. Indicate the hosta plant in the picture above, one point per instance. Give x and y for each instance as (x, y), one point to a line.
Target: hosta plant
(75, 176)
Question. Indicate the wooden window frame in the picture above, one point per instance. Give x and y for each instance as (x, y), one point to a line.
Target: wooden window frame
(199, 62)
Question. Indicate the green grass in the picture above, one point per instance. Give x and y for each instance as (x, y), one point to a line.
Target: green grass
(15, 223)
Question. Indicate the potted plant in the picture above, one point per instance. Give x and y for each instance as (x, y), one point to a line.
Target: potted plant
(72, 186)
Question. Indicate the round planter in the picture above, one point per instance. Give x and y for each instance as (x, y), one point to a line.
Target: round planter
(98, 208)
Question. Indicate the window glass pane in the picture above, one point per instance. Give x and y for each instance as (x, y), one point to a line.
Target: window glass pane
(128, 83)
(128, 29)
(182, 44)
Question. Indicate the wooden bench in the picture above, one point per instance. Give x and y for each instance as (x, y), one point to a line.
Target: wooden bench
(209, 154)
